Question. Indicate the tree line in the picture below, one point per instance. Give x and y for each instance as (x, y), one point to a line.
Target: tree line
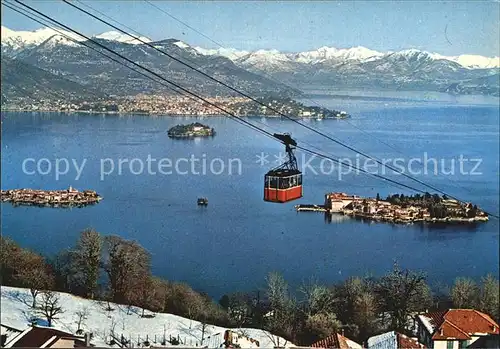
(434, 203)
(113, 269)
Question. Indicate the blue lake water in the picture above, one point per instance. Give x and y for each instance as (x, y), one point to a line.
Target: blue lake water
(234, 242)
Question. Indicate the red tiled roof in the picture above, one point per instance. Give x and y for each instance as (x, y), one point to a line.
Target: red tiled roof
(336, 341)
(460, 323)
(405, 342)
(449, 330)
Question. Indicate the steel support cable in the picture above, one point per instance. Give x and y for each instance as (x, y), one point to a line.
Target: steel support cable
(208, 102)
(262, 104)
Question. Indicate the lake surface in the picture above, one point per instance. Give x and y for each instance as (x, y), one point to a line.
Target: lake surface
(234, 242)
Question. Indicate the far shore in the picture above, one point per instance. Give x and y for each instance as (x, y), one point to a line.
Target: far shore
(156, 114)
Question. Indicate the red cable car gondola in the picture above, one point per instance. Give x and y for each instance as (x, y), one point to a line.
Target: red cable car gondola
(284, 183)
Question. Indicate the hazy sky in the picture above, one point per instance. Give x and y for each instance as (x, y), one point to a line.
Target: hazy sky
(449, 28)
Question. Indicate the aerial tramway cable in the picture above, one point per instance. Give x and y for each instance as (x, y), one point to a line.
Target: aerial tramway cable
(261, 72)
(214, 105)
(244, 122)
(262, 104)
(264, 74)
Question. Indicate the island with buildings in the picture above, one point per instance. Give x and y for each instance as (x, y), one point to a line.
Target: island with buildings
(70, 197)
(193, 130)
(399, 208)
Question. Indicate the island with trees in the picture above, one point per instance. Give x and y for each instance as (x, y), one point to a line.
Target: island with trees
(400, 208)
(191, 131)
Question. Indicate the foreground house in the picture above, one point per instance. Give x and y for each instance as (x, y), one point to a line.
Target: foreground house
(46, 337)
(336, 341)
(455, 328)
(6, 333)
(393, 340)
(489, 341)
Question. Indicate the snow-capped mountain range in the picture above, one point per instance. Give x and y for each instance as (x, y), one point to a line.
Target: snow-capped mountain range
(16, 40)
(359, 53)
(261, 70)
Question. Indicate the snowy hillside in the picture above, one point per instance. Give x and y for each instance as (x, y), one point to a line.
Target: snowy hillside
(120, 37)
(15, 41)
(102, 323)
(328, 53)
(476, 61)
(230, 53)
(267, 60)
(31, 37)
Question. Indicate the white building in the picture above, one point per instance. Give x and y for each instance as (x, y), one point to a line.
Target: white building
(393, 340)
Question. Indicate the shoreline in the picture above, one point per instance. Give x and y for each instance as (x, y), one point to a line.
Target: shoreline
(156, 114)
(446, 220)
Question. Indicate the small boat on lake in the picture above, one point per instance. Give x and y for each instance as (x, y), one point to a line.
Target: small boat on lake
(202, 201)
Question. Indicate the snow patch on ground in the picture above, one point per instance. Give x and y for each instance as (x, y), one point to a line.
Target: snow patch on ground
(15, 313)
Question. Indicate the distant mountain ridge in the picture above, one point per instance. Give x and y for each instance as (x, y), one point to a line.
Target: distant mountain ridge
(359, 53)
(21, 79)
(259, 72)
(56, 54)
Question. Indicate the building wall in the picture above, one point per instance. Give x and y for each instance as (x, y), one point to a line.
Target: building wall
(474, 338)
(443, 345)
(63, 343)
(335, 206)
(456, 343)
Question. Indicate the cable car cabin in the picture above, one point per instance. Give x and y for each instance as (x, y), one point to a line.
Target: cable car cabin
(282, 185)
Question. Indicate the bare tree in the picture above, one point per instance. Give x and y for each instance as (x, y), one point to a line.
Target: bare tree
(203, 328)
(277, 341)
(322, 324)
(49, 306)
(81, 316)
(282, 317)
(365, 314)
(239, 308)
(277, 290)
(464, 293)
(489, 301)
(401, 292)
(149, 294)
(194, 306)
(33, 274)
(9, 259)
(317, 299)
(319, 310)
(125, 263)
(87, 259)
(112, 327)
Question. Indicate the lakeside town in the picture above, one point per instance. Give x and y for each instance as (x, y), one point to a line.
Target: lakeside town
(177, 106)
(399, 208)
(50, 198)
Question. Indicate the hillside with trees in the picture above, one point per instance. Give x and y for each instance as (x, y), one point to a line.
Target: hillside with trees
(113, 269)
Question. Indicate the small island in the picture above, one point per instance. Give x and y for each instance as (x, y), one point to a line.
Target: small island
(70, 197)
(191, 131)
(400, 208)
